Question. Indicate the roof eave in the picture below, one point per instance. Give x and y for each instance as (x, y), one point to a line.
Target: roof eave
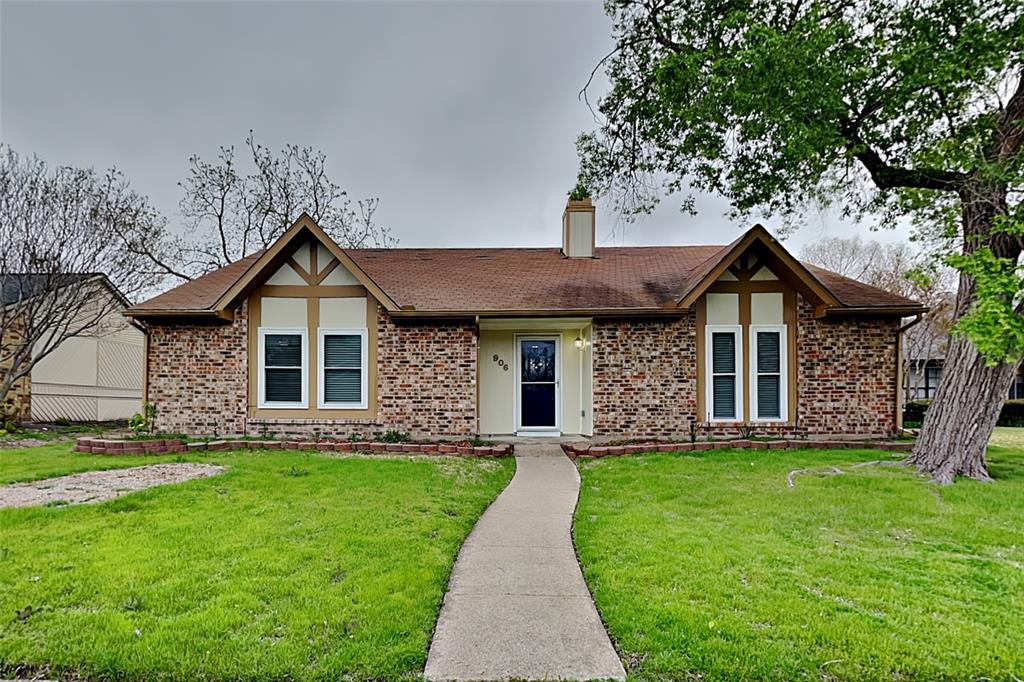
(869, 311)
(543, 312)
(204, 313)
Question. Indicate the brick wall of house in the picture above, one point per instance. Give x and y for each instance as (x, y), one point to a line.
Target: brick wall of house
(846, 378)
(197, 376)
(645, 381)
(645, 376)
(426, 376)
(426, 385)
(426, 381)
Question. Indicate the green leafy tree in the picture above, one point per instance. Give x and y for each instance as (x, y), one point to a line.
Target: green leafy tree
(884, 109)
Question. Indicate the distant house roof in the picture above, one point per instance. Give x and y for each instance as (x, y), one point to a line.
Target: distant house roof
(17, 287)
(490, 281)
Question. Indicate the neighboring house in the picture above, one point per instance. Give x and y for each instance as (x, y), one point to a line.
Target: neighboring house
(925, 353)
(95, 376)
(923, 375)
(611, 342)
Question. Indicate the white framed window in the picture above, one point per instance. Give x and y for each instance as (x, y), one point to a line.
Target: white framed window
(768, 373)
(283, 367)
(723, 373)
(342, 368)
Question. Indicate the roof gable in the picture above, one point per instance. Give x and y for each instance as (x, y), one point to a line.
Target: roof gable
(770, 253)
(280, 253)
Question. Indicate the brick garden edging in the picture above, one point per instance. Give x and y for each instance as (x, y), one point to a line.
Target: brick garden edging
(111, 446)
(574, 450)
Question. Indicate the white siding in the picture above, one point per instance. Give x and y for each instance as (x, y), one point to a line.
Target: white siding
(96, 377)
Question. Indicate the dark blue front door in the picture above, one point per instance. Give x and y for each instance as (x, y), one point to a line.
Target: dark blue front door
(537, 383)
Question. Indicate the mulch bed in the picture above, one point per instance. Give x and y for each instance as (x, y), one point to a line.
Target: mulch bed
(97, 486)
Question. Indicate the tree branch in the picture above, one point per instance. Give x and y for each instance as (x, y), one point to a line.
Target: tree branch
(886, 176)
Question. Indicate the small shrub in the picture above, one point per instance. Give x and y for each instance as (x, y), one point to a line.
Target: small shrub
(142, 422)
(913, 412)
(579, 192)
(393, 436)
(356, 438)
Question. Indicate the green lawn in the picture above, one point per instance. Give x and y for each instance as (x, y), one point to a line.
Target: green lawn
(59, 459)
(290, 564)
(708, 567)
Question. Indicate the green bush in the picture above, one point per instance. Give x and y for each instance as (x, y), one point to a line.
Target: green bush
(393, 436)
(1012, 413)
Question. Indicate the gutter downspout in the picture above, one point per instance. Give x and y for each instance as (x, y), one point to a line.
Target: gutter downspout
(898, 421)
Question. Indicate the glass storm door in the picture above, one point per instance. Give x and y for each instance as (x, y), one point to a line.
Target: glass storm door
(538, 383)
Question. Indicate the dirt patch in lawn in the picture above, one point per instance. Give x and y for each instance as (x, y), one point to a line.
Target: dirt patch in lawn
(97, 486)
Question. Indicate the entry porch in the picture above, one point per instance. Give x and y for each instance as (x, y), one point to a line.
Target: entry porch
(535, 377)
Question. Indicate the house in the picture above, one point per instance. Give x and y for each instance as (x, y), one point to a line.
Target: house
(93, 376)
(308, 337)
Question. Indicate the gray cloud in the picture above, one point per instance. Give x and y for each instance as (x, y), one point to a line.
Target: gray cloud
(460, 116)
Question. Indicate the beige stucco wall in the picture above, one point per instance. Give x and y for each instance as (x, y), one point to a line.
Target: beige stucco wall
(284, 312)
(341, 313)
(498, 386)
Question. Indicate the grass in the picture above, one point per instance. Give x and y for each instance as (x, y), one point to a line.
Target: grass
(708, 567)
(58, 459)
(289, 565)
(1008, 437)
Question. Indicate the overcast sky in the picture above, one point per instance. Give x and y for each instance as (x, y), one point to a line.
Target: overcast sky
(460, 116)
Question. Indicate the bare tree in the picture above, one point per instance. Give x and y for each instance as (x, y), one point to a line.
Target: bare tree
(63, 232)
(899, 269)
(230, 213)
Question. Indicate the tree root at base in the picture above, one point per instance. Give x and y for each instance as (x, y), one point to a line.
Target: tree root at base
(836, 471)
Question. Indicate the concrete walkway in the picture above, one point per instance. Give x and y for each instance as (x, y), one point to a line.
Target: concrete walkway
(517, 606)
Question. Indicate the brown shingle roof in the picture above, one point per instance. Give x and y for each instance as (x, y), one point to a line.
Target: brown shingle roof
(507, 280)
(856, 294)
(201, 293)
(531, 279)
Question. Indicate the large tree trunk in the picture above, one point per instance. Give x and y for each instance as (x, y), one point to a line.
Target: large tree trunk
(959, 423)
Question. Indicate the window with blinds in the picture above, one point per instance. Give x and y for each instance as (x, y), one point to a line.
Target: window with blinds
(724, 364)
(343, 368)
(768, 367)
(283, 372)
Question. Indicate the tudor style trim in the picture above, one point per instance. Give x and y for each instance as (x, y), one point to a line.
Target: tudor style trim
(786, 266)
(279, 253)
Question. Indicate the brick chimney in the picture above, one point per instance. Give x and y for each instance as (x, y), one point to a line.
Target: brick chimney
(578, 229)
